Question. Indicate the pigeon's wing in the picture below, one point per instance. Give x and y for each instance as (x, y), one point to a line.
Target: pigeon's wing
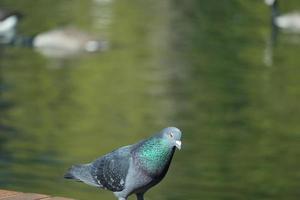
(110, 171)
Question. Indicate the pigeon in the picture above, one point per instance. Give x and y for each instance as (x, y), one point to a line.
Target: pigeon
(131, 169)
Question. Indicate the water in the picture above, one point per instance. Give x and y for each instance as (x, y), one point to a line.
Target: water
(206, 67)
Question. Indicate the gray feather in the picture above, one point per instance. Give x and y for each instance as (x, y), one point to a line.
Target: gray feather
(81, 173)
(110, 171)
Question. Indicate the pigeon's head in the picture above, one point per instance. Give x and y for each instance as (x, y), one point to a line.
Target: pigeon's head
(173, 135)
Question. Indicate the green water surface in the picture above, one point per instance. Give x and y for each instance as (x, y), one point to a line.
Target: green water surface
(199, 65)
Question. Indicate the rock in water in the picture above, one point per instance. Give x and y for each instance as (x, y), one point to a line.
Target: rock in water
(131, 169)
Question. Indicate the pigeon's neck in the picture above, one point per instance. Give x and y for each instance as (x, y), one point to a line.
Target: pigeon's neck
(154, 156)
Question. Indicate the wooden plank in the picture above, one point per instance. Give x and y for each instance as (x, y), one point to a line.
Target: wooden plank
(26, 196)
(6, 193)
(12, 195)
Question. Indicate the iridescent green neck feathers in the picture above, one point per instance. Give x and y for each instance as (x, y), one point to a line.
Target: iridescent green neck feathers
(154, 154)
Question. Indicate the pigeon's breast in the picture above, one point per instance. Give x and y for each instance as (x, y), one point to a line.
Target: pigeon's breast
(153, 157)
(136, 180)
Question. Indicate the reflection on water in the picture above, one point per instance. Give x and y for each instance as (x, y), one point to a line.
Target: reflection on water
(193, 64)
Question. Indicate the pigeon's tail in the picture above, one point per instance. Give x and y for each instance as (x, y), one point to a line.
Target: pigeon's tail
(74, 172)
(81, 173)
(69, 174)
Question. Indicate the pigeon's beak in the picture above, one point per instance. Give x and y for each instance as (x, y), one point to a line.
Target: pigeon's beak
(178, 144)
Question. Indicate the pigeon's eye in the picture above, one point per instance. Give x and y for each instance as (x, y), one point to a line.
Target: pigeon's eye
(171, 135)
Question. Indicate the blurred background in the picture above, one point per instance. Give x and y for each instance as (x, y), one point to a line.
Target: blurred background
(212, 68)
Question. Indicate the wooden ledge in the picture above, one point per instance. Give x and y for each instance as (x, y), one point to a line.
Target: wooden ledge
(12, 195)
